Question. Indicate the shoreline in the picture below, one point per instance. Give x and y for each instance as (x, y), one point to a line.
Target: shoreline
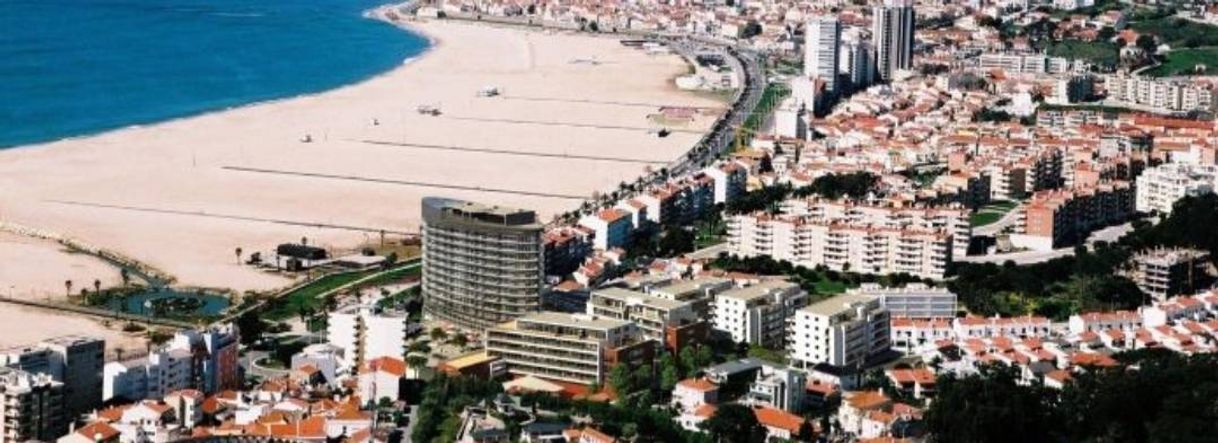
(207, 164)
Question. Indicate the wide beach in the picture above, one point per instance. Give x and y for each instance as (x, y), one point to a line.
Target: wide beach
(182, 195)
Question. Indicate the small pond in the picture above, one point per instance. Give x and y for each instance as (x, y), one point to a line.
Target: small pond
(171, 302)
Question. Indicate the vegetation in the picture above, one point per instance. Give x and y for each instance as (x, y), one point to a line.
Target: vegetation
(734, 423)
(1160, 396)
(991, 213)
(776, 356)
(1186, 62)
(1086, 281)
(992, 115)
(855, 185)
(1179, 33)
(1100, 53)
(820, 281)
(442, 401)
(773, 94)
(307, 298)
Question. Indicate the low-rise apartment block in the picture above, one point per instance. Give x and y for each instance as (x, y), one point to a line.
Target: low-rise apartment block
(757, 314)
(653, 315)
(575, 348)
(915, 300)
(1057, 218)
(1160, 187)
(1167, 272)
(843, 331)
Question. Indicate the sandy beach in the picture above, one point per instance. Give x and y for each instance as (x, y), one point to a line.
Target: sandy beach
(182, 195)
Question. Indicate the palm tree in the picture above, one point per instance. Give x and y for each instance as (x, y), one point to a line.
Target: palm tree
(96, 285)
(238, 255)
(125, 275)
(304, 241)
(67, 284)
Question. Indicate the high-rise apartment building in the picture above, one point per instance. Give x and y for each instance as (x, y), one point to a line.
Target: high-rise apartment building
(31, 407)
(482, 265)
(892, 36)
(856, 63)
(75, 361)
(822, 38)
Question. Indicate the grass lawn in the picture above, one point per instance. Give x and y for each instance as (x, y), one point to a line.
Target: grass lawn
(830, 286)
(306, 297)
(1098, 53)
(984, 218)
(394, 276)
(1182, 62)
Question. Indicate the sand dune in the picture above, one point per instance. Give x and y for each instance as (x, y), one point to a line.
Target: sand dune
(183, 194)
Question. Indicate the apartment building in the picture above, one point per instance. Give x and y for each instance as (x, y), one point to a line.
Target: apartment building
(31, 407)
(1103, 321)
(949, 218)
(612, 228)
(822, 38)
(778, 387)
(699, 292)
(574, 348)
(1167, 272)
(730, 180)
(856, 63)
(653, 315)
(1058, 218)
(983, 327)
(1159, 94)
(757, 314)
(1023, 63)
(482, 265)
(892, 34)
(365, 332)
(204, 360)
(75, 361)
(810, 241)
(1160, 187)
(843, 331)
(565, 248)
(915, 300)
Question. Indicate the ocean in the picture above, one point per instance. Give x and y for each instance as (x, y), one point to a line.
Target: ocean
(77, 67)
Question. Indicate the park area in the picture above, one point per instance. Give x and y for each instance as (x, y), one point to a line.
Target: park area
(991, 213)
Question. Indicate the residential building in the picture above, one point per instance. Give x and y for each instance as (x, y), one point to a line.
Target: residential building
(1103, 321)
(1160, 187)
(757, 314)
(844, 331)
(205, 360)
(653, 315)
(575, 348)
(612, 228)
(729, 180)
(892, 34)
(1161, 95)
(778, 387)
(810, 242)
(984, 327)
(381, 378)
(75, 361)
(482, 265)
(565, 249)
(691, 393)
(1167, 272)
(910, 334)
(698, 291)
(951, 218)
(822, 40)
(31, 407)
(366, 332)
(856, 63)
(1057, 218)
(915, 300)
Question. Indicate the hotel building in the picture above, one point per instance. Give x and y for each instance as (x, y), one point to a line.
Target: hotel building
(482, 265)
(574, 348)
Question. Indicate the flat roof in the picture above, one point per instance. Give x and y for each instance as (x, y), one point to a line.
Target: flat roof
(644, 298)
(572, 320)
(838, 304)
(694, 285)
(758, 290)
(467, 360)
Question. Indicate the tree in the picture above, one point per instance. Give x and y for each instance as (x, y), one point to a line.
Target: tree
(96, 285)
(438, 333)
(251, 326)
(459, 340)
(734, 423)
(668, 374)
(238, 251)
(125, 276)
(1147, 44)
(991, 407)
(621, 380)
(67, 285)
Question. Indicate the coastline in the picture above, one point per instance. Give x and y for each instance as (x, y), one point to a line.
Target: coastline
(159, 193)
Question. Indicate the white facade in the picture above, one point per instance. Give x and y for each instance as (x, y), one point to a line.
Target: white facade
(758, 314)
(914, 300)
(651, 313)
(822, 38)
(1159, 188)
(154, 376)
(856, 61)
(364, 333)
(843, 331)
(1159, 94)
(780, 388)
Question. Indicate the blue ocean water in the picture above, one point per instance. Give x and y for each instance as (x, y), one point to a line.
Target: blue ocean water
(77, 67)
